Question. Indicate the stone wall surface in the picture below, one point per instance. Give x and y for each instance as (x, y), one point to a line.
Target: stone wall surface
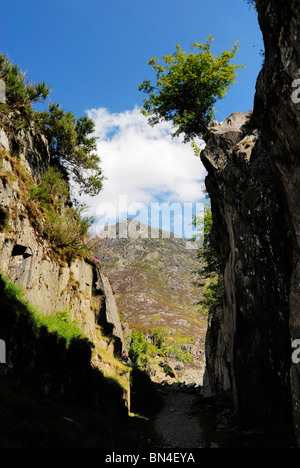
(253, 165)
(248, 339)
(50, 283)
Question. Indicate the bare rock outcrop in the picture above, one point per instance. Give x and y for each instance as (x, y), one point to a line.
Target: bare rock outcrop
(253, 165)
(247, 344)
(51, 283)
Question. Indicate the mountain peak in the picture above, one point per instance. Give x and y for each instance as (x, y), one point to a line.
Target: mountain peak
(129, 228)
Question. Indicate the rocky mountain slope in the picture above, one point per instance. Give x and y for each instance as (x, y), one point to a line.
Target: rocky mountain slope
(153, 276)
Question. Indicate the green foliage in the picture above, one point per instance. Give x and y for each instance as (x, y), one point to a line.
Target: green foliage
(19, 92)
(212, 296)
(52, 190)
(67, 231)
(60, 322)
(188, 86)
(72, 146)
(161, 343)
(197, 149)
(159, 338)
(177, 350)
(13, 290)
(138, 350)
(210, 269)
(169, 345)
(207, 253)
(64, 226)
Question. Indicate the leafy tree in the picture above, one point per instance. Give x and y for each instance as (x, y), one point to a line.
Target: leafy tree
(19, 92)
(187, 87)
(72, 147)
(20, 95)
(159, 339)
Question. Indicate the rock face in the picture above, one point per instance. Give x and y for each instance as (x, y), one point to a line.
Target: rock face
(247, 345)
(253, 165)
(51, 284)
(277, 104)
(112, 317)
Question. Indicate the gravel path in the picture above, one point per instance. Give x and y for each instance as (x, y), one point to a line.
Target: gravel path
(177, 422)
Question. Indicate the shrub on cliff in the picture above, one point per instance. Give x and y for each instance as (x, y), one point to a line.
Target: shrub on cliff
(187, 87)
(64, 225)
(139, 350)
(52, 190)
(72, 147)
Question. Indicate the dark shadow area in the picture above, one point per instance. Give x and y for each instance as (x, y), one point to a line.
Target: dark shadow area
(220, 428)
(22, 250)
(51, 395)
(29, 420)
(145, 396)
(107, 328)
(59, 370)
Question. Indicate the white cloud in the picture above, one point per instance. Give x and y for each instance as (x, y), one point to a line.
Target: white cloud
(143, 163)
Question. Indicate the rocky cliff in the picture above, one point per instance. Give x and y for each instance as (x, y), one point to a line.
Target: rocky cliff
(253, 181)
(52, 283)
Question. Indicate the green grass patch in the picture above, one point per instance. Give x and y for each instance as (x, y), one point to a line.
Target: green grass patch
(60, 322)
(65, 226)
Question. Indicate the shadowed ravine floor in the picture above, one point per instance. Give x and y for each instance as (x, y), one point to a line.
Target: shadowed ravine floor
(178, 423)
(189, 421)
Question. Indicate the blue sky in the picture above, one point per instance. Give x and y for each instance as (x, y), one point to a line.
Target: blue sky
(93, 54)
